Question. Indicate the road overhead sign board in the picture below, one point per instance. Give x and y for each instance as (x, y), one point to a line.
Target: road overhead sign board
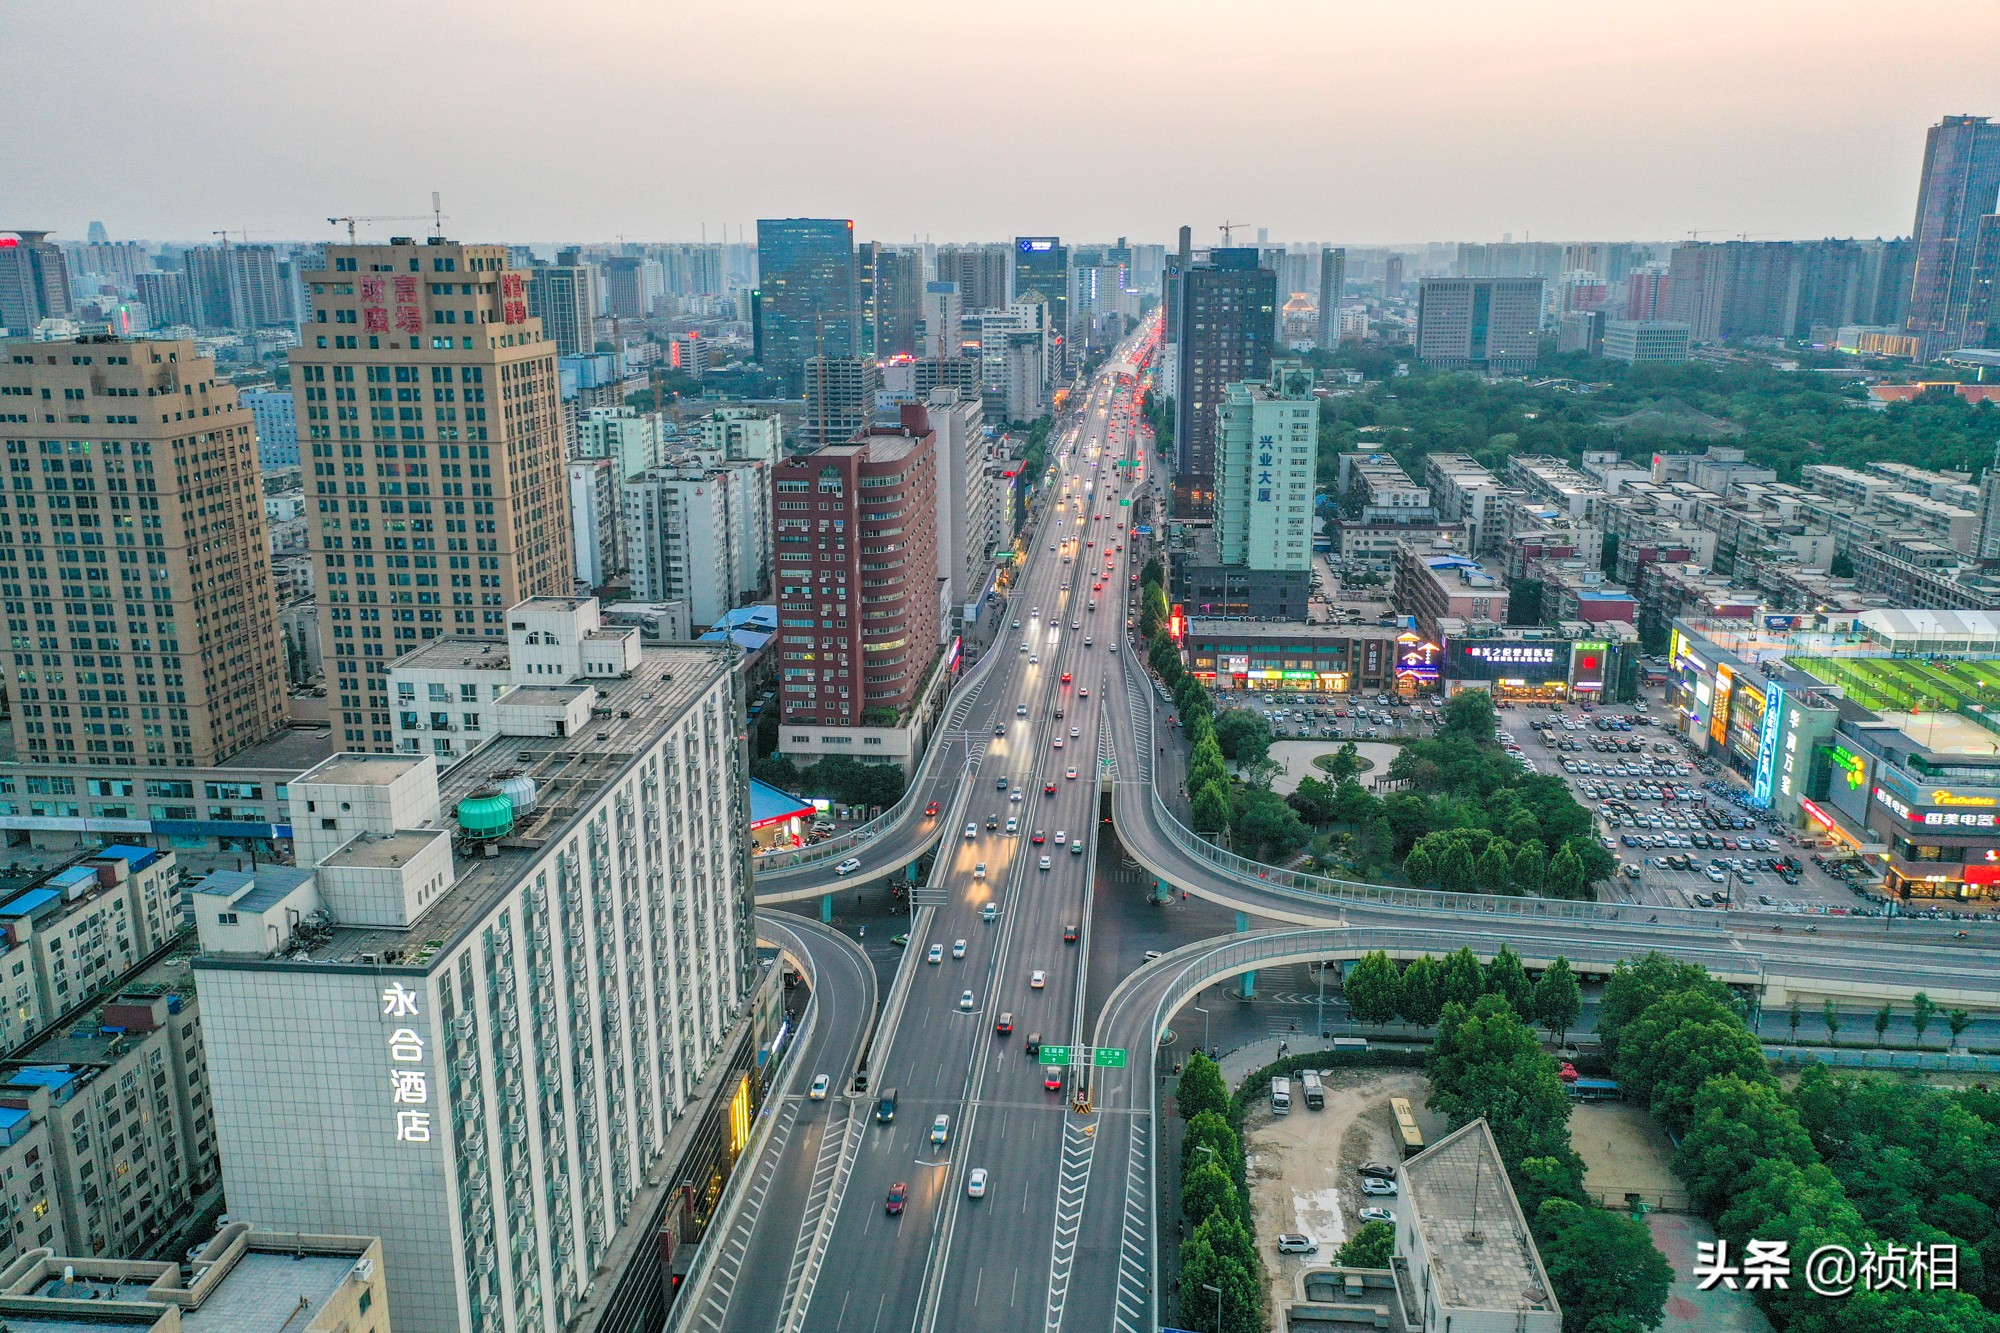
(1108, 1057)
(1055, 1055)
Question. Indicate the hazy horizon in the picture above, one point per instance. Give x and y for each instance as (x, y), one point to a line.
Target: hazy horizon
(1321, 122)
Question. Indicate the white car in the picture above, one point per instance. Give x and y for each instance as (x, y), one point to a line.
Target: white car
(958, 948)
(1046, 863)
(1034, 659)
(975, 1184)
(1070, 774)
(965, 1002)
(1074, 732)
(820, 1084)
(979, 871)
(1020, 710)
(1293, 1242)
(936, 954)
(1059, 742)
(1037, 980)
(848, 867)
(1061, 837)
(1369, 1184)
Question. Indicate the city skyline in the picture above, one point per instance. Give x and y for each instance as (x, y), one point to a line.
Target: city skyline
(1473, 120)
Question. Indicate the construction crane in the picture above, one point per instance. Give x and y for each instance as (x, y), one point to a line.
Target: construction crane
(351, 223)
(1226, 226)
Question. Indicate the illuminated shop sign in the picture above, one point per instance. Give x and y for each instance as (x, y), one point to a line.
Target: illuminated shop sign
(1971, 819)
(1851, 765)
(1767, 748)
(1817, 815)
(1415, 658)
(1512, 654)
(1718, 722)
(1589, 664)
(1942, 797)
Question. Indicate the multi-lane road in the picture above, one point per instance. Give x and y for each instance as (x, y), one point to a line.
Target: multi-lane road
(1063, 1234)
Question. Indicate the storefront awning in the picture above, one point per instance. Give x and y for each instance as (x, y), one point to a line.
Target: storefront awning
(770, 805)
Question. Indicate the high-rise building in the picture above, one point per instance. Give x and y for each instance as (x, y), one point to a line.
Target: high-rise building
(596, 520)
(189, 627)
(446, 503)
(1041, 264)
(1636, 340)
(1961, 185)
(500, 1015)
(560, 296)
(698, 531)
(1392, 278)
(236, 287)
(1510, 259)
(1646, 293)
(276, 414)
(964, 496)
(1479, 323)
(944, 320)
(808, 299)
(34, 281)
(980, 272)
(625, 287)
(840, 397)
(627, 436)
(891, 281)
(119, 263)
(1266, 458)
(1983, 311)
(207, 270)
(855, 566)
(1228, 324)
(1332, 283)
(692, 268)
(743, 434)
(168, 299)
(1696, 286)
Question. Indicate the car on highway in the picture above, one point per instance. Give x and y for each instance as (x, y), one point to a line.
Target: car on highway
(1076, 847)
(930, 811)
(1052, 1078)
(1037, 980)
(1004, 1024)
(965, 1000)
(975, 1184)
(848, 867)
(1045, 863)
(935, 955)
(1020, 710)
(1070, 774)
(958, 948)
(1076, 624)
(1075, 732)
(1385, 1188)
(940, 1129)
(1015, 796)
(1059, 742)
(1085, 691)
(990, 912)
(979, 871)
(1013, 824)
(820, 1084)
(1295, 1242)
(1039, 838)
(1048, 789)
(1061, 837)
(1377, 1215)
(899, 1194)
(1069, 934)
(1065, 678)
(999, 728)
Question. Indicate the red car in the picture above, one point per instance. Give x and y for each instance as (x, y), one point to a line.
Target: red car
(931, 809)
(1049, 789)
(899, 1194)
(1039, 838)
(1053, 1079)
(1065, 678)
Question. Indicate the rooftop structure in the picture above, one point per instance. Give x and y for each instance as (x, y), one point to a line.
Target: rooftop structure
(1465, 1256)
(243, 1281)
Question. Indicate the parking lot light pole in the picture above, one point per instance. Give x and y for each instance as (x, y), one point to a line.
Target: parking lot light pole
(1210, 1286)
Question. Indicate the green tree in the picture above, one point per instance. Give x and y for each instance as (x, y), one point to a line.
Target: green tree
(1565, 877)
(1677, 1045)
(1792, 1018)
(1736, 1124)
(1313, 800)
(1539, 1178)
(1506, 978)
(1487, 1063)
(1958, 1021)
(1495, 868)
(1213, 810)
(1831, 1017)
(1354, 804)
(1417, 867)
(1241, 1298)
(1923, 1012)
(1531, 868)
(1201, 1088)
(1603, 1267)
(1371, 1247)
(1470, 715)
(1267, 828)
(1882, 1019)
(1205, 763)
(1558, 998)
(1346, 762)
(1209, 1132)
(1206, 1190)
(1636, 985)
(1243, 735)
(1460, 978)
(1374, 989)
(1419, 1002)
(1261, 772)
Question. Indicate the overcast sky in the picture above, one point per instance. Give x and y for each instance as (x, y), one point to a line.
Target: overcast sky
(967, 119)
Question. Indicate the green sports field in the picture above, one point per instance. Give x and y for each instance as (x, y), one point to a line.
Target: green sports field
(1905, 684)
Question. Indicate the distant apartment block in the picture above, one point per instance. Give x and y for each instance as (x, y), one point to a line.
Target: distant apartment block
(1433, 585)
(1633, 341)
(1491, 324)
(1466, 491)
(840, 398)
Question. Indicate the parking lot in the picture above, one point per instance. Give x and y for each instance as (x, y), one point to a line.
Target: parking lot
(1681, 835)
(1334, 716)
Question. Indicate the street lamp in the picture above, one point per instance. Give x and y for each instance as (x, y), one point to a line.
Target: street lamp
(1204, 1027)
(1210, 1286)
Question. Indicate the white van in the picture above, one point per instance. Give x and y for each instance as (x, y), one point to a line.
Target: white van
(1315, 1093)
(1281, 1096)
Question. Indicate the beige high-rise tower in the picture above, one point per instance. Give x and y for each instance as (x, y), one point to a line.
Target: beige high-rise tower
(430, 421)
(133, 558)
